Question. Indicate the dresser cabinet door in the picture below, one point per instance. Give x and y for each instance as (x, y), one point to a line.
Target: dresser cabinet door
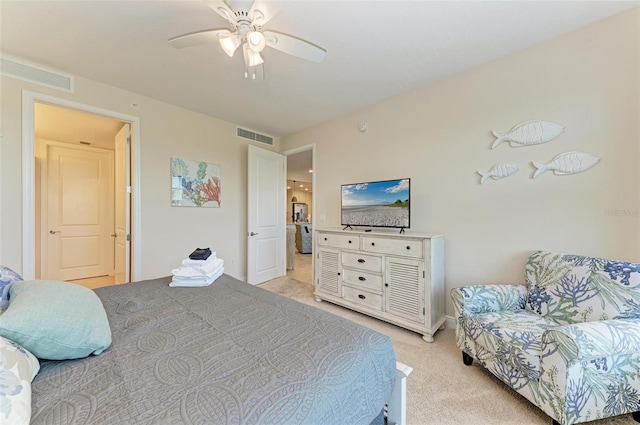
(405, 288)
(328, 271)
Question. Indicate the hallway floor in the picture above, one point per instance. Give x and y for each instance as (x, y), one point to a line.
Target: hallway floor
(302, 270)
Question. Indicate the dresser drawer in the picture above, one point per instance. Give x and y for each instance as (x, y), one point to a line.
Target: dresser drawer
(362, 261)
(338, 241)
(364, 298)
(362, 279)
(405, 248)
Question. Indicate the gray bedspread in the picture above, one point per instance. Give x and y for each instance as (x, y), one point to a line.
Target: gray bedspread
(229, 353)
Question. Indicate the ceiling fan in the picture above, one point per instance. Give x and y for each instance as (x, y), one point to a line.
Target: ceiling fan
(246, 19)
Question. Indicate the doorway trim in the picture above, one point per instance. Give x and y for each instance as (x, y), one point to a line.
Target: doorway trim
(29, 99)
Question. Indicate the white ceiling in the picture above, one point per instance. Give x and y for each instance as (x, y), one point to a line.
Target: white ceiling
(375, 50)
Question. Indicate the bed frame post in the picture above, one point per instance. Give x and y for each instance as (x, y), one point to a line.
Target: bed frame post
(397, 404)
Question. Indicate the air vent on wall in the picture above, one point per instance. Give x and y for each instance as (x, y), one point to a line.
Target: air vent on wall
(252, 135)
(36, 74)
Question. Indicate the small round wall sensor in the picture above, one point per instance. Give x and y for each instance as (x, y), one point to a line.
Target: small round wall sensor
(363, 126)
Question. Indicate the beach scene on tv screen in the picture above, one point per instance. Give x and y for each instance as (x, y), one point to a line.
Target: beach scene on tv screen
(376, 204)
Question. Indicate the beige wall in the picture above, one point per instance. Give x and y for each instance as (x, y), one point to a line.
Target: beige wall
(168, 233)
(440, 135)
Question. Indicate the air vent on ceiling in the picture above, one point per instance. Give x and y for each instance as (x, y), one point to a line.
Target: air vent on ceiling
(36, 74)
(252, 135)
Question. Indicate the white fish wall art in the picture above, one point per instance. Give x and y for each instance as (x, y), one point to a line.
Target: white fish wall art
(567, 163)
(498, 171)
(529, 133)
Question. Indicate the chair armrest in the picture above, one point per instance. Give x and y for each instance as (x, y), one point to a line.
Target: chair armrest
(588, 370)
(477, 299)
(592, 340)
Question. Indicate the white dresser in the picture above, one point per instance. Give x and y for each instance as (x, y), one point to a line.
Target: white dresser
(393, 277)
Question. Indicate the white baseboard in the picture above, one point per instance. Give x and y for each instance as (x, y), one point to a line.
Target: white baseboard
(450, 322)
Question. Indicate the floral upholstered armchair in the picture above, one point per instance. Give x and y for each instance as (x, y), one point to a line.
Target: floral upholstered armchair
(568, 340)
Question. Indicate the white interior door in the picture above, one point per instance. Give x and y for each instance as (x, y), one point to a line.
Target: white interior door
(266, 209)
(79, 211)
(122, 225)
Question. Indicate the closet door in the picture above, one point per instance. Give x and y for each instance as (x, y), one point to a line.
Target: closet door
(79, 212)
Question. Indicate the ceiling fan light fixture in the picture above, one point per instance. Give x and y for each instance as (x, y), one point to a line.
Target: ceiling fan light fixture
(246, 20)
(229, 44)
(256, 41)
(251, 58)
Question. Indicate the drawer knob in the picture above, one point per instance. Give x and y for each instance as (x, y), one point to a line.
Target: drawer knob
(362, 297)
(373, 244)
(362, 278)
(408, 247)
(386, 284)
(361, 260)
(349, 241)
(325, 239)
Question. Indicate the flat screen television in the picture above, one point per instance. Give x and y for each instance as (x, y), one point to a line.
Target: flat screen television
(377, 204)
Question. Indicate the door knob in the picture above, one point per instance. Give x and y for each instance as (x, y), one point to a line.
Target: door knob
(252, 234)
(115, 235)
(53, 232)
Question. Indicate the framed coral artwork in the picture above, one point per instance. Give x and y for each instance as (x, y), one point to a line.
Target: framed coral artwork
(194, 184)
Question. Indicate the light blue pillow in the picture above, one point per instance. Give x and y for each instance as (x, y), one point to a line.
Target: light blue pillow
(56, 320)
(7, 277)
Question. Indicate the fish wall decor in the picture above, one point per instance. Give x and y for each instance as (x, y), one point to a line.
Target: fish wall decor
(567, 163)
(529, 133)
(498, 171)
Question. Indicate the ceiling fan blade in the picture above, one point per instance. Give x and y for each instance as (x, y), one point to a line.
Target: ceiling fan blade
(262, 11)
(197, 38)
(294, 46)
(222, 9)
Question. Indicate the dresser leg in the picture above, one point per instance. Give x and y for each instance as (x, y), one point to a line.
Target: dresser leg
(319, 299)
(428, 338)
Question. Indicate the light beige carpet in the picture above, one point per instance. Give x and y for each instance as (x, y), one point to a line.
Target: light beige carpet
(441, 390)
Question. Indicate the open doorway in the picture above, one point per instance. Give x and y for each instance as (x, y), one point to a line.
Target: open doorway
(82, 196)
(300, 212)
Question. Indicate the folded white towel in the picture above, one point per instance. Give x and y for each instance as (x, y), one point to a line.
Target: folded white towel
(205, 270)
(199, 263)
(177, 282)
(200, 277)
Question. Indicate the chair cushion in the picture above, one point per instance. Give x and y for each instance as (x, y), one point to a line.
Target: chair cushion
(509, 343)
(573, 289)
